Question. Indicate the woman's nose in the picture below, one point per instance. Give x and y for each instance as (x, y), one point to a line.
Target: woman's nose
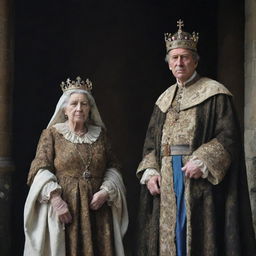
(78, 107)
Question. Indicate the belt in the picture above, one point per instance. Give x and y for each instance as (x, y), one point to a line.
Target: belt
(172, 150)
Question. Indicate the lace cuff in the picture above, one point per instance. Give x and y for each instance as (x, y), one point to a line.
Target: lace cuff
(148, 173)
(201, 165)
(47, 190)
(110, 190)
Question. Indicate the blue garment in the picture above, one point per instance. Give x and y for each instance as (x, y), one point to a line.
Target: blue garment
(180, 231)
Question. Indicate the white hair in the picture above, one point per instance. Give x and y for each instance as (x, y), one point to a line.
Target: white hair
(59, 117)
(79, 91)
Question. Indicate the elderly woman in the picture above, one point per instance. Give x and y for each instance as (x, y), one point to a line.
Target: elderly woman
(76, 203)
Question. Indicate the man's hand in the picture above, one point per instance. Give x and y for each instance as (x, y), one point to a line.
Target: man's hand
(191, 170)
(99, 199)
(153, 185)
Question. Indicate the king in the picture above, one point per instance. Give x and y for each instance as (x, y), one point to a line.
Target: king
(194, 193)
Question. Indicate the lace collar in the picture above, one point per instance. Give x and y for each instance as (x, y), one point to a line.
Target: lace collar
(89, 137)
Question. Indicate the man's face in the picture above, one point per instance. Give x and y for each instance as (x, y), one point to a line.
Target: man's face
(182, 64)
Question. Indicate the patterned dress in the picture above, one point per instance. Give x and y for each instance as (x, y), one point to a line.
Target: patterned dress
(79, 165)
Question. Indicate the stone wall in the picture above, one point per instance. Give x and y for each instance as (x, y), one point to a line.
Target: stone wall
(250, 102)
(6, 164)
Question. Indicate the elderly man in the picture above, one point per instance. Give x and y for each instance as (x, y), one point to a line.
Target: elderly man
(194, 198)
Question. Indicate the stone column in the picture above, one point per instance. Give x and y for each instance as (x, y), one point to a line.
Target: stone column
(250, 102)
(230, 51)
(6, 164)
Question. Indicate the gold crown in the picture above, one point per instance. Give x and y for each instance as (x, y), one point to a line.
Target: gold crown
(181, 39)
(77, 84)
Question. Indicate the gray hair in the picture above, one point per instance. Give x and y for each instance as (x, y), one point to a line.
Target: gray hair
(194, 54)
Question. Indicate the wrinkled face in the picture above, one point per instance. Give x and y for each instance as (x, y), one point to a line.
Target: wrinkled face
(78, 108)
(182, 64)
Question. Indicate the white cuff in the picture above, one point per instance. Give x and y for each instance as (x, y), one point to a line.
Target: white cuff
(201, 165)
(148, 173)
(110, 190)
(47, 190)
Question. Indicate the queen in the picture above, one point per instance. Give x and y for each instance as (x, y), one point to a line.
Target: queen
(76, 204)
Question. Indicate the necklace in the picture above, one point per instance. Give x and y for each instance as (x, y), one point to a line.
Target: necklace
(86, 174)
(81, 133)
(175, 106)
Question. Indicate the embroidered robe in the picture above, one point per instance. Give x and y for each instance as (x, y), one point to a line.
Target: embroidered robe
(218, 209)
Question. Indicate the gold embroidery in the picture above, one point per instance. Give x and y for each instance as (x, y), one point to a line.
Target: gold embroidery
(203, 89)
(167, 210)
(181, 131)
(216, 158)
(195, 94)
(149, 161)
(175, 132)
(91, 232)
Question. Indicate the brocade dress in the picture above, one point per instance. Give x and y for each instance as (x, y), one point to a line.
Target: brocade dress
(79, 163)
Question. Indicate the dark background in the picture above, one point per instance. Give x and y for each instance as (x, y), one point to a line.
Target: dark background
(120, 46)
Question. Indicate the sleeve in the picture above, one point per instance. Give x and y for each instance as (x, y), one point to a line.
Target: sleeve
(112, 183)
(149, 160)
(201, 165)
(50, 187)
(112, 161)
(218, 153)
(44, 155)
(147, 174)
(112, 164)
(108, 186)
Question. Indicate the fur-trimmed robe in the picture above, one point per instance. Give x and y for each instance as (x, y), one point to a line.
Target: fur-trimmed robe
(218, 209)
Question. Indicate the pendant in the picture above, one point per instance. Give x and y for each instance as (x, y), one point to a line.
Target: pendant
(86, 174)
(176, 116)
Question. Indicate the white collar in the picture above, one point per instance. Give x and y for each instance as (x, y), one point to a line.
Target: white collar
(89, 137)
(190, 79)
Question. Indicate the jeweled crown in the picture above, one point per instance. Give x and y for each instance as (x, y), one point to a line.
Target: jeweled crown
(181, 39)
(77, 84)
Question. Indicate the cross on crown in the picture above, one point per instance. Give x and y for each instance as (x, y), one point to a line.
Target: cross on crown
(181, 39)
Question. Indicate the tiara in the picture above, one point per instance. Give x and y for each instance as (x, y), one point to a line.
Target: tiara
(77, 84)
(181, 39)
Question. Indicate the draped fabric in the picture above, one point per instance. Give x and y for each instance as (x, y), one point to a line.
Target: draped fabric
(44, 234)
(218, 209)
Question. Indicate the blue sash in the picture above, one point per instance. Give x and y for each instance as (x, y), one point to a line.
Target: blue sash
(180, 231)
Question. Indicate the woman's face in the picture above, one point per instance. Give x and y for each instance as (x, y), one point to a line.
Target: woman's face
(78, 108)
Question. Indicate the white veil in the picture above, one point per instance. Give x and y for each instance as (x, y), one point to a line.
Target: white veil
(59, 117)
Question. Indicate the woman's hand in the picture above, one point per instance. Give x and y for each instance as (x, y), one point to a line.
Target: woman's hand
(153, 185)
(98, 199)
(61, 209)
